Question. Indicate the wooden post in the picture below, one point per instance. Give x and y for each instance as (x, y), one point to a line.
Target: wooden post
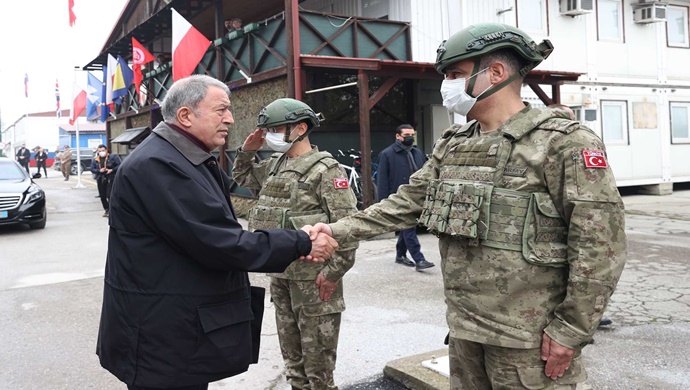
(290, 49)
(365, 138)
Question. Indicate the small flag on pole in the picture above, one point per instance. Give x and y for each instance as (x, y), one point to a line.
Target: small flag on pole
(72, 16)
(78, 104)
(57, 99)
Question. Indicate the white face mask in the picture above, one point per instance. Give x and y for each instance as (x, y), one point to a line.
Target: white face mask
(276, 141)
(102, 154)
(455, 98)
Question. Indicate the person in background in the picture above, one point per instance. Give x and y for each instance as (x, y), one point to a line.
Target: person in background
(178, 311)
(234, 24)
(104, 166)
(306, 186)
(66, 162)
(41, 158)
(23, 157)
(396, 164)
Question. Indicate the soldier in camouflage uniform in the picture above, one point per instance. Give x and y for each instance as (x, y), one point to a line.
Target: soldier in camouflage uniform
(300, 186)
(529, 220)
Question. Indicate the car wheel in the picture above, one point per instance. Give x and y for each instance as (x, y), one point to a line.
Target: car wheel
(41, 224)
(73, 169)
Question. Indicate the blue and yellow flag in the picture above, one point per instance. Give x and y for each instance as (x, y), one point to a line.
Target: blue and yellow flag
(122, 79)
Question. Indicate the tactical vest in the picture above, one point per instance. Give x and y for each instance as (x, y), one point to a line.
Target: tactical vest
(469, 200)
(278, 205)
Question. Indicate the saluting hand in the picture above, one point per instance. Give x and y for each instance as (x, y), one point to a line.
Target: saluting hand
(254, 141)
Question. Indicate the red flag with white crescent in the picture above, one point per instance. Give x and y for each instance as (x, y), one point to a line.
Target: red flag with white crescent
(594, 159)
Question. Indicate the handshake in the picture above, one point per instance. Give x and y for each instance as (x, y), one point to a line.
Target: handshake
(322, 243)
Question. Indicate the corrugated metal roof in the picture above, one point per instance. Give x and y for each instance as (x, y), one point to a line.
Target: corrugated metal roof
(131, 135)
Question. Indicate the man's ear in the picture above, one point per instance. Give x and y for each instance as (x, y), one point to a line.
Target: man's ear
(302, 128)
(497, 72)
(183, 116)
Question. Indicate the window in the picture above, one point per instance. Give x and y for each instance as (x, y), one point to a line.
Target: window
(531, 16)
(614, 122)
(677, 26)
(610, 20)
(680, 117)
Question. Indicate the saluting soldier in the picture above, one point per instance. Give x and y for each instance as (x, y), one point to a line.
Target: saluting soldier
(299, 185)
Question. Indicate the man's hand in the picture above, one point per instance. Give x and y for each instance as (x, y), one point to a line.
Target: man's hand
(254, 141)
(318, 228)
(556, 356)
(322, 247)
(326, 287)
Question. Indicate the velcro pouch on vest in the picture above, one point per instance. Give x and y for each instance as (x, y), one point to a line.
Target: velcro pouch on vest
(297, 220)
(545, 237)
(454, 208)
(261, 217)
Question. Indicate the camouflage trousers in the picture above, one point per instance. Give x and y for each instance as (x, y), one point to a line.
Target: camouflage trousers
(308, 330)
(475, 366)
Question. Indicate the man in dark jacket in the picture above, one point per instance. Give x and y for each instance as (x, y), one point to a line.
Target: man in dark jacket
(396, 163)
(104, 166)
(178, 311)
(23, 157)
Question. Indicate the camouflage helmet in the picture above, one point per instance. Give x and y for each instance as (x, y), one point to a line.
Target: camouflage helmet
(286, 111)
(480, 39)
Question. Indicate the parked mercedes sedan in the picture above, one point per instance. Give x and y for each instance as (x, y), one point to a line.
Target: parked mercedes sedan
(21, 200)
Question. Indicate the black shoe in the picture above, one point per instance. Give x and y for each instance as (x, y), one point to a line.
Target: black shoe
(605, 321)
(423, 264)
(404, 261)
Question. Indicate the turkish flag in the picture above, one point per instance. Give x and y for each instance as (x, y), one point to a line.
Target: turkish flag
(78, 105)
(340, 183)
(188, 46)
(140, 56)
(72, 16)
(594, 159)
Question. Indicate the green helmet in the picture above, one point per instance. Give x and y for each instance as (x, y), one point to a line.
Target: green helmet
(285, 111)
(480, 39)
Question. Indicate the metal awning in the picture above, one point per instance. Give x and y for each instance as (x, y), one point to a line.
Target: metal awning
(133, 135)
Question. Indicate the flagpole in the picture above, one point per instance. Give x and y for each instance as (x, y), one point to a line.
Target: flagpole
(76, 126)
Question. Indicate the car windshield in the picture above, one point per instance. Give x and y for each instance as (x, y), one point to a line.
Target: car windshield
(10, 171)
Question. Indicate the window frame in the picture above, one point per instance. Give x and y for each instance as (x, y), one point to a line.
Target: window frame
(686, 45)
(544, 17)
(625, 121)
(678, 141)
(621, 19)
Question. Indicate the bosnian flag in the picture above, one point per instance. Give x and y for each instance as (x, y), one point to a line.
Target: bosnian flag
(188, 46)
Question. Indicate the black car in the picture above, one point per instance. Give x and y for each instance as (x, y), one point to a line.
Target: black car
(21, 200)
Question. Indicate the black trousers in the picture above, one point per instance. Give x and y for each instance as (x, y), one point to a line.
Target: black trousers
(194, 387)
(26, 166)
(104, 187)
(39, 165)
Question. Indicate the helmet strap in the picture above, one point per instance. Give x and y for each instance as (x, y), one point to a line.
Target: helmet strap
(521, 73)
(475, 70)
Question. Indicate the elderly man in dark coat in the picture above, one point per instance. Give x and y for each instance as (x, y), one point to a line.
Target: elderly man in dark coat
(178, 311)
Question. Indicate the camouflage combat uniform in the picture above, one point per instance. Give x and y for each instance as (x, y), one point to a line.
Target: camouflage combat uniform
(296, 192)
(531, 239)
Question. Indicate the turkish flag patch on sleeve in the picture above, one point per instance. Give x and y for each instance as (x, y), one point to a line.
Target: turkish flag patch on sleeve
(340, 183)
(594, 159)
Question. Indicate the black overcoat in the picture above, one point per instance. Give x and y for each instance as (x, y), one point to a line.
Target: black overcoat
(394, 168)
(176, 302)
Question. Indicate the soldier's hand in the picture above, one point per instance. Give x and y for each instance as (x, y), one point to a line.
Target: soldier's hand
(556, 356)
(322, 247)
(318, 228)
(326, 287)
(254, 141)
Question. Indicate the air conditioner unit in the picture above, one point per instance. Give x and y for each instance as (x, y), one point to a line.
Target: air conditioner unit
(647, 12)
(576, 7)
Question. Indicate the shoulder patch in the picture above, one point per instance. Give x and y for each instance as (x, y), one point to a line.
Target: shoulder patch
(341, 183)
(594, 159)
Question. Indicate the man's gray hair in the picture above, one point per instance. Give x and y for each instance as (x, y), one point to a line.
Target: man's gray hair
(188, 92)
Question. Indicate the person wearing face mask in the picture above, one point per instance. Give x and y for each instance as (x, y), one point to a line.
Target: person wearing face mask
(396, 164)
(104, 166)
(299, 185)
(530, 223)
